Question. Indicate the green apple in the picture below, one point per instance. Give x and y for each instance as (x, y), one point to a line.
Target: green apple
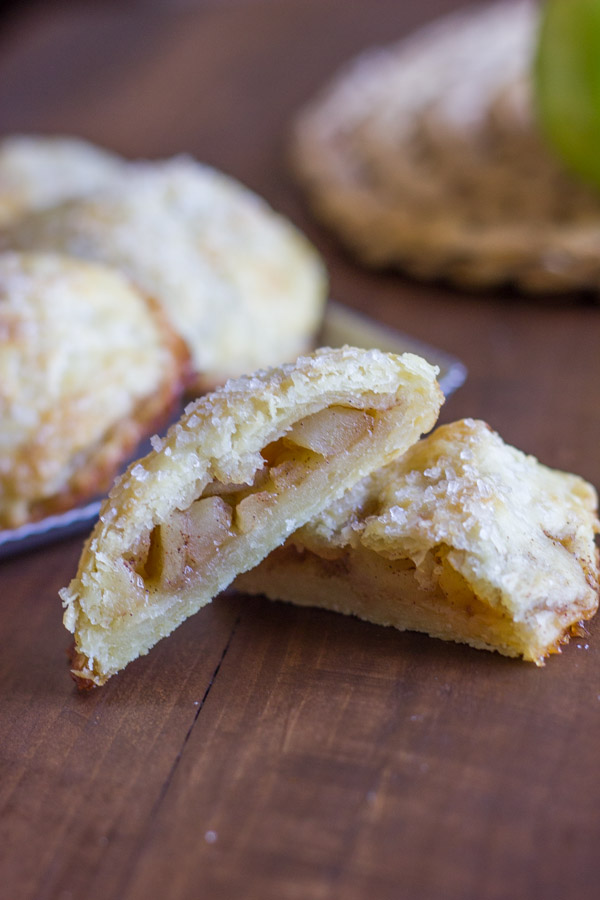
(567, 83)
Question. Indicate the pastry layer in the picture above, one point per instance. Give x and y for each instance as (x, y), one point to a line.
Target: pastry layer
(244, 468)
(464, 538)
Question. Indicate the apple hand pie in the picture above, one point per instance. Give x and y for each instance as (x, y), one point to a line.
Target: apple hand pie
(244, 468)
(464, 538)
(88, 366)
(238, 282)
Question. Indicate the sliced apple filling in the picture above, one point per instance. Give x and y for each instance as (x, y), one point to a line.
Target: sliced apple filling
(180, 547)
(181, 550)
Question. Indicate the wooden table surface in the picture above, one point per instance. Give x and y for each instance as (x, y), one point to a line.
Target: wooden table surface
(265, 751)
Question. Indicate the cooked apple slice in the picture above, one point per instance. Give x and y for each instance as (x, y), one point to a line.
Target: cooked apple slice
(330, 431)
(243, 469)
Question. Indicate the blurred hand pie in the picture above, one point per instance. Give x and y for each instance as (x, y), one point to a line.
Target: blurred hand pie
(426, 156)
(239, 283)
(88, 366)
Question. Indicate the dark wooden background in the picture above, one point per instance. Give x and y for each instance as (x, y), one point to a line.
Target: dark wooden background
(265, 751)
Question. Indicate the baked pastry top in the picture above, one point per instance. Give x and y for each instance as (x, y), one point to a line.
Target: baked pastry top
(87, 367)
(426, 156)
(38, 171)
(244, 468)
(463, 537)
(240, 284)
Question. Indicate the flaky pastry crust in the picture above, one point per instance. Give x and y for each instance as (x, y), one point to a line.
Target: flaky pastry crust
(464, 538)
(87, 367)
(244, 468)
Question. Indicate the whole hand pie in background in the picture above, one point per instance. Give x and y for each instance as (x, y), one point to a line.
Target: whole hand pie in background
(244, 468)
(37, 172)
(426, 156)
(239, 283)
(87, 367)
(463, 538)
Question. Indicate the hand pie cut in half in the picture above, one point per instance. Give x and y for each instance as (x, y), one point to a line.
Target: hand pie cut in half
(244, 468)
(88, 367)
(239, 283)
(464, 538)
(37, 171)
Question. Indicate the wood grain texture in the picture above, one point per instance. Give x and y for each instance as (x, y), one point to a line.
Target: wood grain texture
(265, 751)
(81, 774)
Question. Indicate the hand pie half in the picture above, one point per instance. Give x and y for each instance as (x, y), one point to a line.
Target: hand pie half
(464, 538)
(244, 468)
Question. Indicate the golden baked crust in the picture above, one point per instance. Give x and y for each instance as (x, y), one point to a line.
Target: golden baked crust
(426, 156)
(240, 284)
(244, 468)
(38, 171)
(87, 367)
(464, 538)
